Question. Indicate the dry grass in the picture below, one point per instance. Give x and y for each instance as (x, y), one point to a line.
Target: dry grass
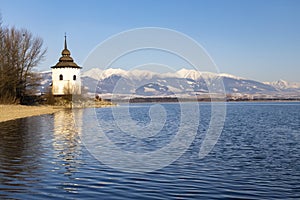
(10, 112)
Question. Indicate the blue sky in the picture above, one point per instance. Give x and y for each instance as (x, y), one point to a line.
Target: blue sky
(258, 39)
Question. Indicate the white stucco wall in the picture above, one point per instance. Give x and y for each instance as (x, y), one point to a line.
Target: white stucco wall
(67, 85)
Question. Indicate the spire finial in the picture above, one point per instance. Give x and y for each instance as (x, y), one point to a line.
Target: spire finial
(65, 40)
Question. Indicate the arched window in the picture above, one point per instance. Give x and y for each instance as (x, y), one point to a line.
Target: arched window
(61, 77)
(74, 78)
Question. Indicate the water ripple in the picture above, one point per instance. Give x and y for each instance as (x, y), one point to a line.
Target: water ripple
(256, 157)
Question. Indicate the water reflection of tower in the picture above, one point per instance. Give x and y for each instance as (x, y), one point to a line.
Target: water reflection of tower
(66, 143)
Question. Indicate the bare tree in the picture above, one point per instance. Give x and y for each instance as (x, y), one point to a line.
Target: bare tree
(20, 52)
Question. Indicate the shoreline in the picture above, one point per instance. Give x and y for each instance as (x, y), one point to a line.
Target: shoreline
(12, 112)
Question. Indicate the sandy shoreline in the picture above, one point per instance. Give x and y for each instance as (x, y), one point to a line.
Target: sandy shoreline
(10, 112)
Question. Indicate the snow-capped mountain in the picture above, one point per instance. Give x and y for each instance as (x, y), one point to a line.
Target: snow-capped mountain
(281, 84)
(184, 82)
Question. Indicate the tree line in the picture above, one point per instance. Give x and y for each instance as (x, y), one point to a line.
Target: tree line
(20, 53)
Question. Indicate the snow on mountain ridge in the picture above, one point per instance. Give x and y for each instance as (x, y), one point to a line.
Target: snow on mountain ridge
(110, 71)
(186, 73)
(231, 76)
(94, 73)
(99, 74)
(282, 84)
(140, 74)
(183, 82)
(136, 74)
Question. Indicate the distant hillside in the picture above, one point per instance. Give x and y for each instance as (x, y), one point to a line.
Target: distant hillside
(142, 83)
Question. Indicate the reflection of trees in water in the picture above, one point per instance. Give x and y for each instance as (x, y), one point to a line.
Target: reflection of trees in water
(66, 142)
(39, 152)
(36, 151)
(20, 150)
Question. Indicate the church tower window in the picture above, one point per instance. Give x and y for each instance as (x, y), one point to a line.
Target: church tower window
(61, 77)
(74, 78)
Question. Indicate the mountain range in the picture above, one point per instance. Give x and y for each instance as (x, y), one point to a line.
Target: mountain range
(185, 82)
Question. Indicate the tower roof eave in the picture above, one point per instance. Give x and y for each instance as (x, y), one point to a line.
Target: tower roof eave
(55, 67)
(66, 65)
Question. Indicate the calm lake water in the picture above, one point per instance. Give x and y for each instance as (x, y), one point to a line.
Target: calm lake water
(257, 156)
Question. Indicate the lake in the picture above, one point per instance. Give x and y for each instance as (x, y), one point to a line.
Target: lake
(151, 151)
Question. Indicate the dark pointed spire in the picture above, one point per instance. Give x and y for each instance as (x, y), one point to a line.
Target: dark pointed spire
(66, 60)
(66, 51)
(66, 41)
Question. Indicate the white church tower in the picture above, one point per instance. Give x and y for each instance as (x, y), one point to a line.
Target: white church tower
(66, 75)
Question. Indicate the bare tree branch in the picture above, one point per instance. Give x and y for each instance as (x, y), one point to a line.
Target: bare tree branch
(20, 52)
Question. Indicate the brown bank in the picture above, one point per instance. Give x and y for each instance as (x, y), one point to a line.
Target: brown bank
(10, 112)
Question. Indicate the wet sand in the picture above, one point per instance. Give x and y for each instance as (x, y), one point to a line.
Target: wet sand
(10, 112)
